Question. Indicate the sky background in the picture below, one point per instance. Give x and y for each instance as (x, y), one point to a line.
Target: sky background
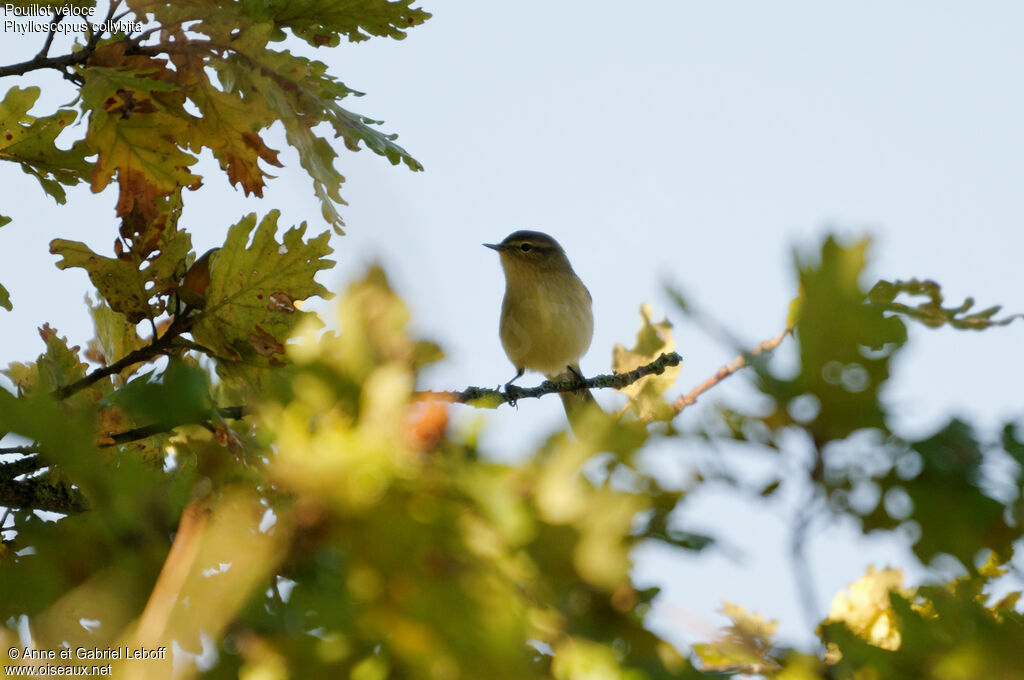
(697, 142)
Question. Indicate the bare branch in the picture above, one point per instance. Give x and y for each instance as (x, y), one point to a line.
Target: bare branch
(63, 62)
(57, 18)
(513, 394)
(725, 371)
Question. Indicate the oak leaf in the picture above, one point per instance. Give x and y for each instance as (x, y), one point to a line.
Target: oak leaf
(243, 318)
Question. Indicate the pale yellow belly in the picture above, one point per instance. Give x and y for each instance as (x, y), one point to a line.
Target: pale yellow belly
(544, 333)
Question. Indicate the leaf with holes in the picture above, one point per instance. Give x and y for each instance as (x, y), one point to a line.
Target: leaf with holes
(322, 22)
(31, 142)
(138, 134)
(127, 283)
(300, 93)
(250, 308)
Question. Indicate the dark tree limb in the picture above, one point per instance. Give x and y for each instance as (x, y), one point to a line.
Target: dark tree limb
(135, 434)
(513, 394)
(57, 18)
(26, 449)
(160, 346)
(37, 493)
(63, 62)
(22, 466)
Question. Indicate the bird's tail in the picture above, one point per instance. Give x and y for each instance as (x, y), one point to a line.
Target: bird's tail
(577, 402)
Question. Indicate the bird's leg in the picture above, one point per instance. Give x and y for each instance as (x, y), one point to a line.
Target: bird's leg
(579, 376)
(511, 390)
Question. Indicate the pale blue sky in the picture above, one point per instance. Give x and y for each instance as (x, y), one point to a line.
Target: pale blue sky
(692, 141)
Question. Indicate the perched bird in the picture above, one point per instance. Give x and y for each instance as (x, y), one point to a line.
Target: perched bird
(546, 318)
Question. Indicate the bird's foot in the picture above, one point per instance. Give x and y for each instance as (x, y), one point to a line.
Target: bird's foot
(512, 393)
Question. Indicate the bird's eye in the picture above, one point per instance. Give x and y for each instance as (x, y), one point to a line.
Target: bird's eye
(526, 247)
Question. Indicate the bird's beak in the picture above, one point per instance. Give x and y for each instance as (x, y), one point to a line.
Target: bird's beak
(493, 246)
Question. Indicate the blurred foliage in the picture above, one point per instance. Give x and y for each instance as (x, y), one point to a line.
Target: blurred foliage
(217, 475)
(931, 312)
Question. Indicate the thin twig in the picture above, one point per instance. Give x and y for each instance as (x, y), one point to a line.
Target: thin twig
(63, 62)
(57, 18)
(95, 36)
(802, 575)
(512, 394)
(725, 371)
(135, 40)
(120, 16)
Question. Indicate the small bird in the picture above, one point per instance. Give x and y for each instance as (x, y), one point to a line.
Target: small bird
(546, 317)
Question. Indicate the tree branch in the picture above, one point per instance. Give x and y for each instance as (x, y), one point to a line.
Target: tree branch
(36, 493)
(135, 434)
(61, 63)
(27, 449)
(41, 494)
(159, 346)
(57, 18)
(22, 466)
(725, 371)
(512, 394)
(755, 668)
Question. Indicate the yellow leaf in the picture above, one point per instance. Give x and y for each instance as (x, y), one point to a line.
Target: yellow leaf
(647, 394)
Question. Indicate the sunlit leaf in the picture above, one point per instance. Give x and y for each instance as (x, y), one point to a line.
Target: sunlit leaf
(865, 609)
(254, 289)
(31, 142)
(647, 398)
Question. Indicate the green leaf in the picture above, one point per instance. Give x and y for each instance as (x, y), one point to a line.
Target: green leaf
(251, 300)
(59, 365)
(115, 338)
(954, 513)
(31, 142)
(120, 283)
(181, 395)
(319, 22)
(846, 345)
(301, 94)
(5, 299)
(931, 312)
